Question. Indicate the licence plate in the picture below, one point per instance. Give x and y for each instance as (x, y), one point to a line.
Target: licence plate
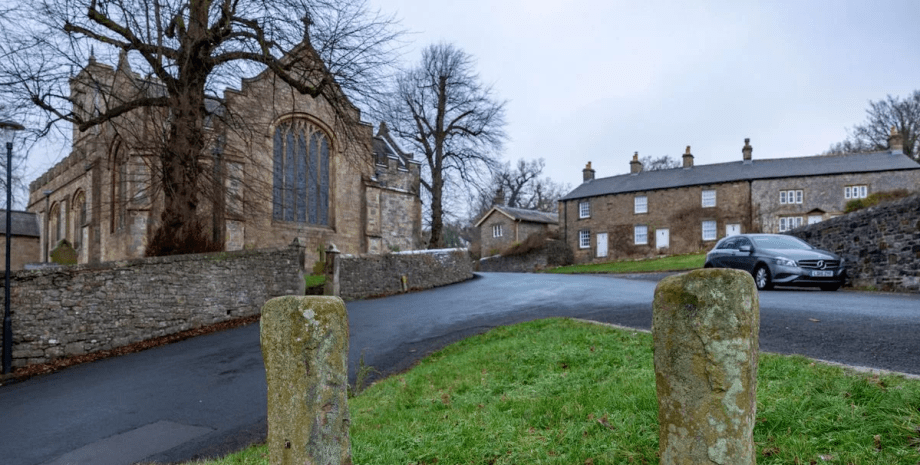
(822, 274)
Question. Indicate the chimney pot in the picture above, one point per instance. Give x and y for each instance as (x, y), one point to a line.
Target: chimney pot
(747, 149)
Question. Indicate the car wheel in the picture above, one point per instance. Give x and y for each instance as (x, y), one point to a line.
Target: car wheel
(707, 265)
(762, 278)
(830, 287)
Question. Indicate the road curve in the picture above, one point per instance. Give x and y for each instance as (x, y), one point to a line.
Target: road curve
(206, 396)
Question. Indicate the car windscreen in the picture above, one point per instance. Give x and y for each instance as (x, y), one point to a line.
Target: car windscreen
(780, 242)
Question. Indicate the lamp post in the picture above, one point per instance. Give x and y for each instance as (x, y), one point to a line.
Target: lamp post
(7, 130)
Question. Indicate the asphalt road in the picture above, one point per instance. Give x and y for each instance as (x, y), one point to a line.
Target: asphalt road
(206, 396)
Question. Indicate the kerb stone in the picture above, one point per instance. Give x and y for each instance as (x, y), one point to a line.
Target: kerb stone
(706, 326)
(305, 348)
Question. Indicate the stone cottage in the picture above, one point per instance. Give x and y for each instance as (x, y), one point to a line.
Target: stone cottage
(503, 226)
(25, 239)
(282, 166)
(687, 209)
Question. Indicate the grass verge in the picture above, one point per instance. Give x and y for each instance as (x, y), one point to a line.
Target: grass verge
(564, 392)
(670, 263)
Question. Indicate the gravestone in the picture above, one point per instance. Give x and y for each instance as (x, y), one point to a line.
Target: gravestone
(64, 253)
(705, 326)
(305, 348)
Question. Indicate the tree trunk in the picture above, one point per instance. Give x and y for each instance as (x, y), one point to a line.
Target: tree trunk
(437, 212)
(181, 231)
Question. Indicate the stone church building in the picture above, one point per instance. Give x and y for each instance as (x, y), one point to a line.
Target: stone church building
(281, 167)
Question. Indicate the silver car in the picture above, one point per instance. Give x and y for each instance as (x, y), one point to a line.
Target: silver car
(776, 259)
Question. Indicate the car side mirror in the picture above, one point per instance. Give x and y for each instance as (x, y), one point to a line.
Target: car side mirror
(745, 248)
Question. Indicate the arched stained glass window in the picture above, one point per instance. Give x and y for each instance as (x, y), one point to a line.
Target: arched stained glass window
(300, 180)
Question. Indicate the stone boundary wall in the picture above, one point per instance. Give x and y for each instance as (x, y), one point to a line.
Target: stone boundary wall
(554, 253)
(881, 244)
(376, 275)
(75, 310)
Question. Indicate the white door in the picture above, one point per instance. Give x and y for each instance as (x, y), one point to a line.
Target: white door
(732, 229)
(601, 244)
(662, 238)
(812, 219)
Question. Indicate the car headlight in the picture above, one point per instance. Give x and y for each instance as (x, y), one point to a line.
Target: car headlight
(784, 261)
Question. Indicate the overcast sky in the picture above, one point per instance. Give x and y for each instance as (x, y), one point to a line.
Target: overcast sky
(599, 80)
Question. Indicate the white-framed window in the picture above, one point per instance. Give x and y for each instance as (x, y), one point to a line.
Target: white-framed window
(584, 209)
(709, 230)
(855, 192)
(788, 223)
(584, 239)
(640, 235)
(791, 196)
(496, 230)
(641, 204)
(709, 198)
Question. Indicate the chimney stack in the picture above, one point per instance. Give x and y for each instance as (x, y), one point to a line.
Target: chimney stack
(587, 173)
(746, 150)
(895, 142)
(635, 166)
(688, 158)
(499, 198)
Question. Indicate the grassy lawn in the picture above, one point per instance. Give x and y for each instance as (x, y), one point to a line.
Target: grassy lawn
(314, 280)
(565, 392)
(671, 263)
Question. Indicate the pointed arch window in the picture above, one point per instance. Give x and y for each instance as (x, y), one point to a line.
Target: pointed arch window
(300, 181)
(78, 210)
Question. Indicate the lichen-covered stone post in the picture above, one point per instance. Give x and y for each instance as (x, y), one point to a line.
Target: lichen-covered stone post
(706, 326)
(332, 271)
(305, 348)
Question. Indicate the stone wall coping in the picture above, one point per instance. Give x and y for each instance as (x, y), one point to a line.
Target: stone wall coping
(431, 251)
(48, 269)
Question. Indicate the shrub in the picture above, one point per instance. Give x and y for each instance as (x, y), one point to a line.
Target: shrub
(874, 199)
(533, 242)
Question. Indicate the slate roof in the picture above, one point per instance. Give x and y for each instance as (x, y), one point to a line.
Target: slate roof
(741, 171)
(22, 224)
(522, 214)
(385, 147)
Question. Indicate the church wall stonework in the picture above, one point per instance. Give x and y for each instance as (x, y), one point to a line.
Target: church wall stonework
(372, 208)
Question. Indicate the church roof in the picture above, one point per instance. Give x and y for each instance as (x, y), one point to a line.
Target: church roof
(385, 147)
(744, 171)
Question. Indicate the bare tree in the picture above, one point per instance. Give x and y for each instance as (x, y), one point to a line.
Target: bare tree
(520, 187)
(664, 162)
(881, 116)
(442, 110)
(190, 51)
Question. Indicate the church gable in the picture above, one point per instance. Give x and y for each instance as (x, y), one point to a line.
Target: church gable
(282, 166)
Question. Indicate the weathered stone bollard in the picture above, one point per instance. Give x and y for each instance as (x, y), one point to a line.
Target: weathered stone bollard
(305, 348)
(706, 326)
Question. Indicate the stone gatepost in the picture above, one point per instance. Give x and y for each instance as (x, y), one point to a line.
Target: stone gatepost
(305, 348)
(332, 286)
(705, 326)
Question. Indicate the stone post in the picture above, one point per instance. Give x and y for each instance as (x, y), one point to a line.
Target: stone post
(705, 326)
(332, 271)
(305, 348)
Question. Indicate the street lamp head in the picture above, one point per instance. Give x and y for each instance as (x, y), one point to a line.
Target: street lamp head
(8, 129)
